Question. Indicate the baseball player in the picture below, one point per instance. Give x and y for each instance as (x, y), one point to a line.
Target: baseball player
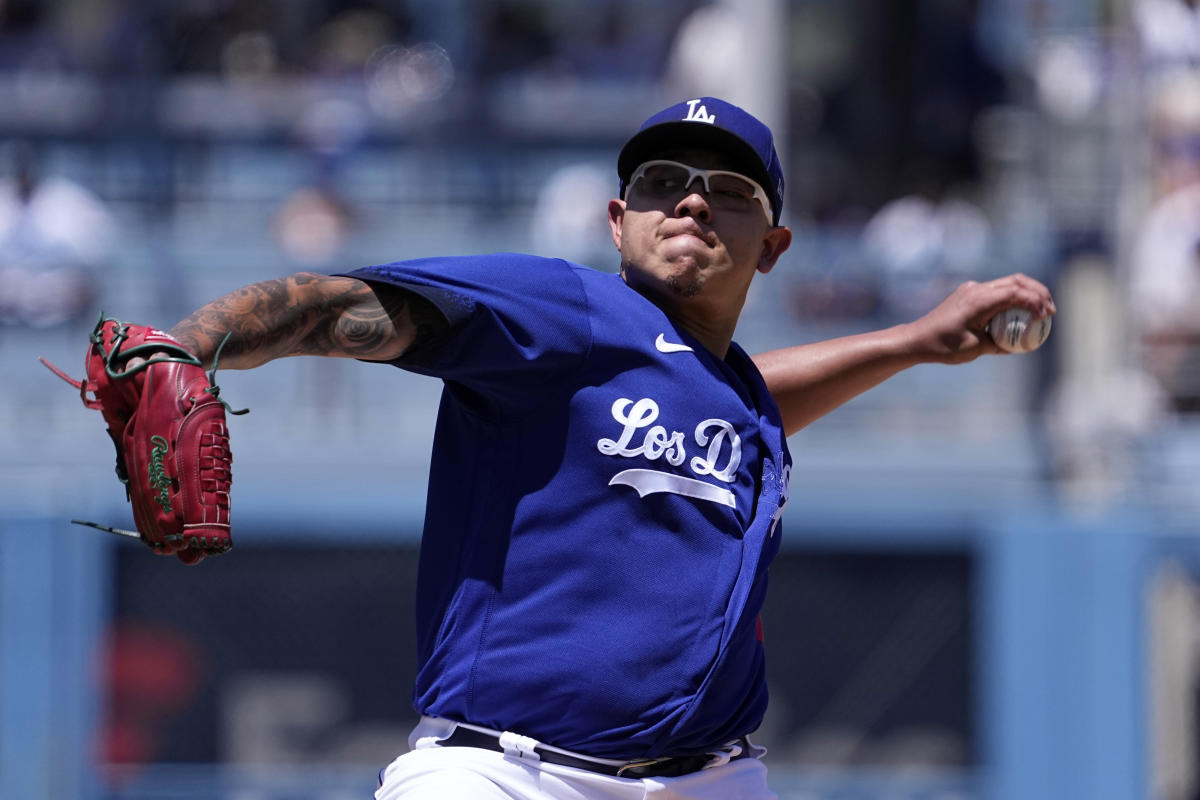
(608, 472)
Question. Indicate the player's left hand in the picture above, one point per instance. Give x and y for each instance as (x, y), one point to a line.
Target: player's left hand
(955, 332)
(168, 424)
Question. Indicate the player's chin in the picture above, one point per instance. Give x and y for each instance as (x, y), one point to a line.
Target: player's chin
(684, 287)
(684, 276)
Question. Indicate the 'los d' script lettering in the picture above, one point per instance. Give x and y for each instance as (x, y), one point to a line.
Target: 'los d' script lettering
(721, 447)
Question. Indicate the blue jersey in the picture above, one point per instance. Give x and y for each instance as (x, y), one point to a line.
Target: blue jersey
(604, 499)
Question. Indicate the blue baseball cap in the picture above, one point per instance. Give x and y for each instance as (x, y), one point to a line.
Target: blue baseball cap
(711, 124)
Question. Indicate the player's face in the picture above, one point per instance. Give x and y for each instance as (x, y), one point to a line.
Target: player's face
(690, 245)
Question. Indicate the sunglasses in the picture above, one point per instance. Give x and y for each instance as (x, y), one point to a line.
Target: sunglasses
(725, 190)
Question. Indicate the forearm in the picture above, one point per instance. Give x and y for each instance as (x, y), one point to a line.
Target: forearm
(811, 380)
(808, 381)
(305, 314)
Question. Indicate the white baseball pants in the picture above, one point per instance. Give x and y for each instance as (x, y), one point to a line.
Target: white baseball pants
(430, 772)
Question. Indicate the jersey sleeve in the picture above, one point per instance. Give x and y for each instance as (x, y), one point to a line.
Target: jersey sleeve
(516, 321)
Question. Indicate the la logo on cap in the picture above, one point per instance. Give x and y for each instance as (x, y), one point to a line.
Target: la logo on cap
(698, 114)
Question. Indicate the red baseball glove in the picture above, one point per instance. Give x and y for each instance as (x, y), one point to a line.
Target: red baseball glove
(168, 424)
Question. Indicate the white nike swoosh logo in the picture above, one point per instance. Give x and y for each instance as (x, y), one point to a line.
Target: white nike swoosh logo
(663, 346)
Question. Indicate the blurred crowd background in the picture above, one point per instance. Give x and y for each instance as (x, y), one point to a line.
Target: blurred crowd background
(155, 154)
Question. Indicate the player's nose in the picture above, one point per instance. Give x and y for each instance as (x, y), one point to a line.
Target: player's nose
(694, 203)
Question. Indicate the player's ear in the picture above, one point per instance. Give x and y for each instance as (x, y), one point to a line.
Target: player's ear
(616, 217)
(775, 242)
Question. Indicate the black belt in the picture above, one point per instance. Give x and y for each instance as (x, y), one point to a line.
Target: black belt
(650, 768)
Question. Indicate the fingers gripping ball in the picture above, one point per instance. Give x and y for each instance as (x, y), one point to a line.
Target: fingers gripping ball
(168, 425)
(1016, 331)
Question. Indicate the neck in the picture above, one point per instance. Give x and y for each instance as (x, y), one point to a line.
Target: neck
(714, 336)
(712, 326)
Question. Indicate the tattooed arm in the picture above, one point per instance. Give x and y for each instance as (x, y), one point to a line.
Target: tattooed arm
(309, 314)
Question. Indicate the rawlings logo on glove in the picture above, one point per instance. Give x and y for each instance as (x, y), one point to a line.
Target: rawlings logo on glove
(168, 424)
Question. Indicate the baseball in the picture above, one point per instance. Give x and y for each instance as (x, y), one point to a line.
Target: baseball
(1016, 331)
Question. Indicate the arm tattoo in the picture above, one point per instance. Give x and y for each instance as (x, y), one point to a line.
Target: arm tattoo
(309, 314)
(368, 329)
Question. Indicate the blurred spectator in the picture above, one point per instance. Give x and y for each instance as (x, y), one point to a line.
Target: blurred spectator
(923, 246)
(832, 281)
(516, 37)
(709, 54)
(1165, 268)
(314, 222)
(1097, 427)
(569, 217)
(55, 236)
(1068, 77)
(27, 41)
(607, 42)
(621, 40)
(1101, 414)
(1169, 33)
(312, 226)
(902, 83)
(345, 43)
